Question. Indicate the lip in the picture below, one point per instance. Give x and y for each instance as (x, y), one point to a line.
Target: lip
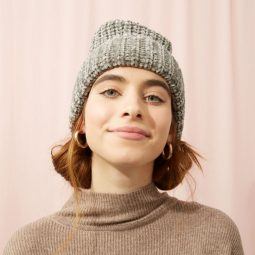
(130, 136)
(131, 129)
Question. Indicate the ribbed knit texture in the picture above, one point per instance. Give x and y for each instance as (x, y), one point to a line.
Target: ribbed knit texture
(144, 221)
(128, 43)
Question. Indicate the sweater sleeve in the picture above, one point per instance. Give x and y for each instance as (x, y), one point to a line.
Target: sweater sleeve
(229, 236)
(236, 242)
(27, 239)
(17, 244)
(221, 232)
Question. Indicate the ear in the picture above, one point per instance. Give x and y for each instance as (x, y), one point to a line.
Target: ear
(169, 139)
(83, 121)
(82, 126)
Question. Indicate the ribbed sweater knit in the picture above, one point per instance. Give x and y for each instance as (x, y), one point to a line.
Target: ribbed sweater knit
(144, 221)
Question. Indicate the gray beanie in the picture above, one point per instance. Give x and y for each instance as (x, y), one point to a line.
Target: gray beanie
(127, 43)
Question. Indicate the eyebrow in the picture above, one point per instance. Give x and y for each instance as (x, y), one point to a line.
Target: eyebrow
(147, 83)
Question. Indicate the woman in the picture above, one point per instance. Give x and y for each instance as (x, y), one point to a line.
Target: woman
(126, 121)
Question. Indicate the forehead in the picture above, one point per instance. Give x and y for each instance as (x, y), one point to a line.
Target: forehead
(133, 72)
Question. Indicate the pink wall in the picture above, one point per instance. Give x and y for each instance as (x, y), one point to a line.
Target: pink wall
(43, 44)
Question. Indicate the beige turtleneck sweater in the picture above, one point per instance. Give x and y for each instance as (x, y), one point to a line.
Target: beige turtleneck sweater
(143, 222)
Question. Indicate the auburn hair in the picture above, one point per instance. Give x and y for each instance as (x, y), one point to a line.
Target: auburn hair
(74, 164)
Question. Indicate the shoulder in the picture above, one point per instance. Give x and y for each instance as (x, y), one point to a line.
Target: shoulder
(204, 213)
(217, 219)
(223, 229)
(26, 239)
(215, 225)
(207, 215)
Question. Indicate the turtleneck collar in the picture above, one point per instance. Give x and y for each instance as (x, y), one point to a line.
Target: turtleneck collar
(104, 211)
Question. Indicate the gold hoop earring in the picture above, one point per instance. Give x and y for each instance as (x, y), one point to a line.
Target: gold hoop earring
(76, 138)
(170, 152)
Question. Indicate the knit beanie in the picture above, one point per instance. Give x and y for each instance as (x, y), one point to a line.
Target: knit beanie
(127, 43)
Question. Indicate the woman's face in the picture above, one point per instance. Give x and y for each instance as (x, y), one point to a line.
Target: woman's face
(129, 97)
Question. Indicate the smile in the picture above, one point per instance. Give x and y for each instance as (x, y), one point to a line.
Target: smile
(130, 136)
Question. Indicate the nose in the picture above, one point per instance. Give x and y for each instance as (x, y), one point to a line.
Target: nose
(133, 107)
(132, 114)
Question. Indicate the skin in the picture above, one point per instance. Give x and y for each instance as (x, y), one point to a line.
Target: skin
(120, 165)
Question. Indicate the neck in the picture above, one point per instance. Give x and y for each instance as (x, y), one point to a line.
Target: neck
(108, 178)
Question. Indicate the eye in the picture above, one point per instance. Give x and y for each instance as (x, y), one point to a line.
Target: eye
(160, 100)
(108, 90)
(111, 89)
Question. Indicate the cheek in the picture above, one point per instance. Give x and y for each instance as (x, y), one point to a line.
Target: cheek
(162, 120)
(97, 115)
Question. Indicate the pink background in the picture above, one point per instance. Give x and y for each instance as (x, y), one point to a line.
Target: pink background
(43, 44)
